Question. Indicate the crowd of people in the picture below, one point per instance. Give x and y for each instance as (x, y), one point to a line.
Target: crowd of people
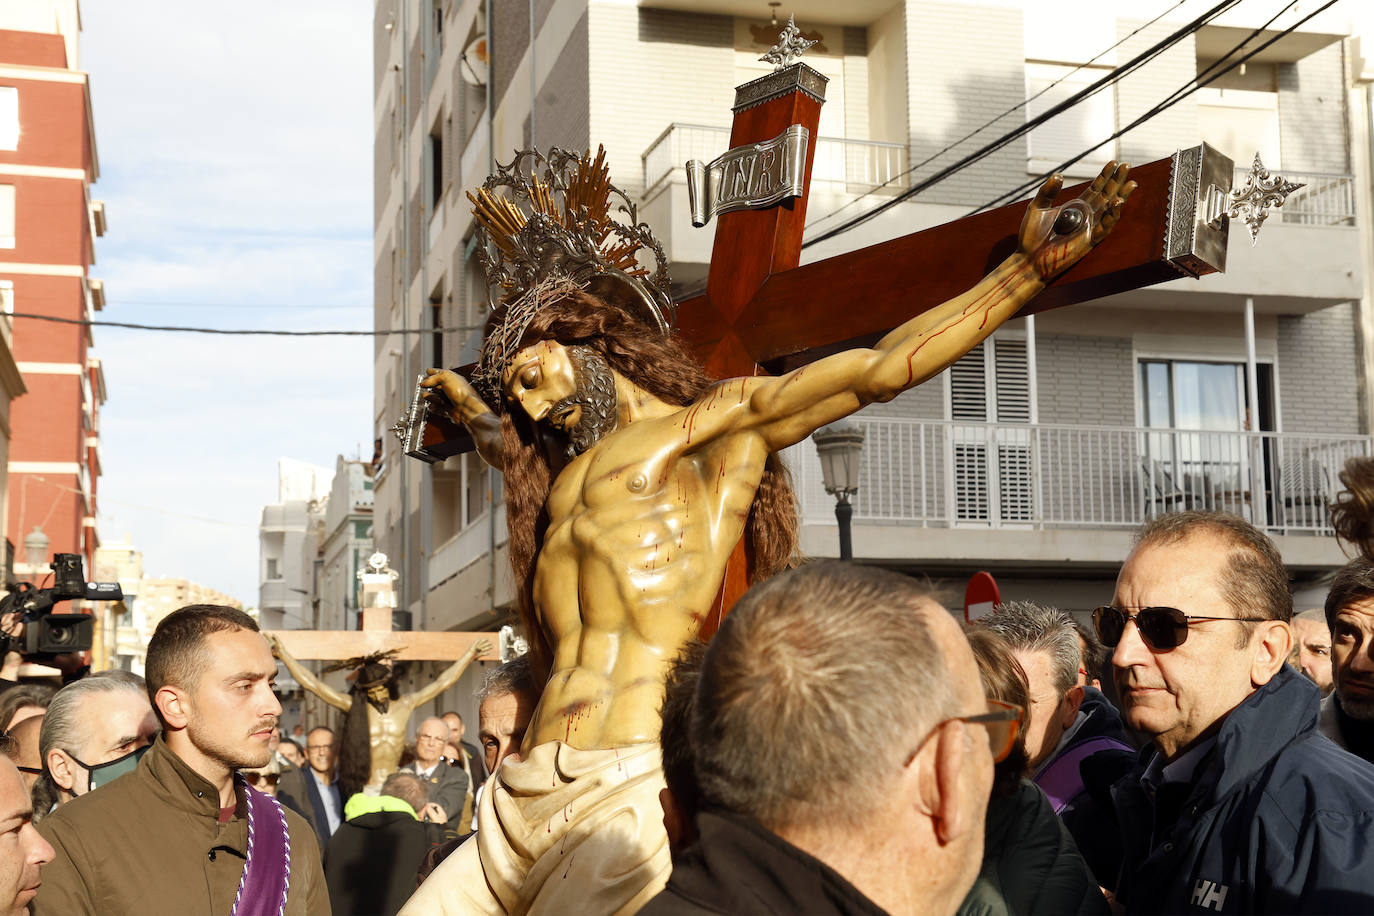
(842, 745)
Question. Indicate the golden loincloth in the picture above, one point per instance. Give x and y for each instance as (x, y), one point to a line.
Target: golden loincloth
(562, 831)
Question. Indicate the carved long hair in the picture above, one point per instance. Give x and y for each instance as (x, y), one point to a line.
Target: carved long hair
(354, 768)
(661, 366)
(1352, 513)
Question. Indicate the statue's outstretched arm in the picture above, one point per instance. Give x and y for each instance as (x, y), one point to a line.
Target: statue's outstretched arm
(789, 408)
(450, 675)
(462, 404)
(306, 678)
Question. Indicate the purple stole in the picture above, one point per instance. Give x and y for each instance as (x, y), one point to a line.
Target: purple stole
(266, 873)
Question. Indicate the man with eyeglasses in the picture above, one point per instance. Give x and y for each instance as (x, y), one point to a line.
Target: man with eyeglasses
(446, 784)
(1240, 806)
(843, 751)
(313, 789)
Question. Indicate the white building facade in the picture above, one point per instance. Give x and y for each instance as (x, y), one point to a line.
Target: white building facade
(1038, 454)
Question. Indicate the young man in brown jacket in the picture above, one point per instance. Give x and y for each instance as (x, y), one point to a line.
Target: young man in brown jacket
(182, 833)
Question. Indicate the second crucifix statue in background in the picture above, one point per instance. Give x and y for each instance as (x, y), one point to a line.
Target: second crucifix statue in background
(378, 714)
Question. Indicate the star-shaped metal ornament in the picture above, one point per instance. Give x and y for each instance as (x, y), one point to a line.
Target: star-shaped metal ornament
(1262, 190)
(790, 46)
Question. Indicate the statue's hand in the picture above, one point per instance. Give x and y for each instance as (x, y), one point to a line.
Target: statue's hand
(1053, 239)
(481, 647)
(453, 394)
(274, 643)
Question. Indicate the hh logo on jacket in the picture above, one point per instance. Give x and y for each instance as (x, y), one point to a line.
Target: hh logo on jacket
(1209, 895)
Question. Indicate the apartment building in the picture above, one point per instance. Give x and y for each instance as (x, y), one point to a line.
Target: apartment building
(1036, 455)
(289, 537)
(123, 628)
(48, 227)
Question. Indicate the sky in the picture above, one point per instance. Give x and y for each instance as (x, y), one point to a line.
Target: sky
(235, 148)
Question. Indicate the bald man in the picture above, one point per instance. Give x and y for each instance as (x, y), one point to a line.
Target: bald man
(447, 784)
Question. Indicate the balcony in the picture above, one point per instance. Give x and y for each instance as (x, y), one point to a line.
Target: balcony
(1326, 200)
(982, 479)
(857, 165)
(843, 170)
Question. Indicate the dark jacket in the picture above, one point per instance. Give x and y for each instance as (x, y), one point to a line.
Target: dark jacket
(736, 867)
(151, 843)
(371, 862)
(1088, 817)
(297, 789)
(1277, 819)
(447, 785)
(1030, 863)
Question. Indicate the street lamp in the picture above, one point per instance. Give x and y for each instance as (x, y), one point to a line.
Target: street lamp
(839, 446)
(35, 549)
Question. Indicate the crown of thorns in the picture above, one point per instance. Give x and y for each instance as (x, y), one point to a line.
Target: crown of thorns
(551, 221)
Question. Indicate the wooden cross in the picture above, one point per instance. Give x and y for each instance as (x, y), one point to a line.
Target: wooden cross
(376, 635)
(761, 312)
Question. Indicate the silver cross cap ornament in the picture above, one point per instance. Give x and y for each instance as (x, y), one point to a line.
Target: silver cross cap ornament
(1262, 190)
(790, 46)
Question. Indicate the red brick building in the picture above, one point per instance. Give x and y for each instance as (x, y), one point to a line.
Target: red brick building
(48, 226)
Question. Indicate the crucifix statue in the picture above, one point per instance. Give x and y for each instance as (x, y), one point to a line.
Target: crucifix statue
(377, 713)
(631, 476)
(639, 441)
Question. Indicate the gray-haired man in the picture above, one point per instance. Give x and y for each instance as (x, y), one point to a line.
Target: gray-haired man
(823, 795)
(1070, 725)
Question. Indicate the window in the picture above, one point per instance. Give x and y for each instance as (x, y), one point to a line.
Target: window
(273, 572)
(9, 118)
(7, 205)
(1201, 458)
(992, 384)
(1074, 130)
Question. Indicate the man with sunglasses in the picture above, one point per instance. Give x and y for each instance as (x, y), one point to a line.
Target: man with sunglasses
(843, 749)
(1240, 806)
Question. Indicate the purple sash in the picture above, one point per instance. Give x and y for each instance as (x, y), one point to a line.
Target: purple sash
(1061, 781)
(266, 873)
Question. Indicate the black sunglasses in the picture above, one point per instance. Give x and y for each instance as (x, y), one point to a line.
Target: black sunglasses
(1162, 628)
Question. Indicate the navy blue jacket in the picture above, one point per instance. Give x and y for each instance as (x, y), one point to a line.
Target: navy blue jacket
(1278, 819)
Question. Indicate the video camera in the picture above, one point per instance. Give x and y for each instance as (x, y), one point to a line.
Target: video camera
(46, 633)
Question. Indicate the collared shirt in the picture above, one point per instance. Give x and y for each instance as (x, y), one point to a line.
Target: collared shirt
(329, 795)
(1180, 770)
(426, 773)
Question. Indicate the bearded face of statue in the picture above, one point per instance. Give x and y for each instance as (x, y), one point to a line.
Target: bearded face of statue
(567, 389)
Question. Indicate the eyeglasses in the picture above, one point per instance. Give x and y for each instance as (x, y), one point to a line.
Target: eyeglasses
(255, 778)
(1162, 628)
(1003, 724)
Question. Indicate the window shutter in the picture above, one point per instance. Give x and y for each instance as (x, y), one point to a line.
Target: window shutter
(968, 387)
(1012, 374)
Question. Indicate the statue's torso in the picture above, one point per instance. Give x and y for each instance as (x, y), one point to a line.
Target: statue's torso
(388, 734)
(640, 529)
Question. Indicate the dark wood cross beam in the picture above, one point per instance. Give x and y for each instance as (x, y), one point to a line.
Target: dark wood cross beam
(761, 310)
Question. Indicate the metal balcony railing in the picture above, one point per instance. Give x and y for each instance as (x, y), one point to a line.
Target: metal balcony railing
(944, 474)
(1327, 199)
(861, 165)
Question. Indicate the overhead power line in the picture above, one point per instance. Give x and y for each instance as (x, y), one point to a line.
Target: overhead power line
(1172, 99)
(988, 149)
(260, 332)
(993, 120)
